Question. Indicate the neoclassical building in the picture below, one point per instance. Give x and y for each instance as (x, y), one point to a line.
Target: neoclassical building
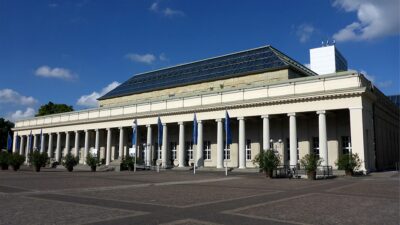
(272, 100)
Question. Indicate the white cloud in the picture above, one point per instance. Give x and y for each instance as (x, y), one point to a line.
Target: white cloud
(145, 58)
(172, 12)
(91, 99)
(376, 19)
(11, 96)
(48, 72)
(304, 32)
(380, 84)
(168, 12)
(19, 114)
(163, 57)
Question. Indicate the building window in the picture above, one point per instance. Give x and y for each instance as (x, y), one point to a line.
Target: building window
(346, 144)
(172, 146)
(189, 149)
(158, 151)
(288, 148)
(315, 145)
(207, 150)
(248, 149)
(227, 151)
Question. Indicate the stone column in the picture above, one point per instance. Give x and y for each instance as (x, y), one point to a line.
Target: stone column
(293, 139)
(50, 146)
(121, 143)
(66, 150)
(42, 143)
(28, 143)
(76, 151)
(108, 150)
(242, 143)
(200, 144)
(266, 132)
(358, 137)
(21, 145)
(164, 146)
(220, 144)
(34, 142)
(85, 153)
(58, 148)
(323, 140)
(148, 145)
(97, 142)
(14, 147)
(181, 144)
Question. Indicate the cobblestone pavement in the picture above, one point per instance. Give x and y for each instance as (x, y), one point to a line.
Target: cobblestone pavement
(179, 197)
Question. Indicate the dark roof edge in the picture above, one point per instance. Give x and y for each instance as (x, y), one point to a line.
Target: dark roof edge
(296, 65)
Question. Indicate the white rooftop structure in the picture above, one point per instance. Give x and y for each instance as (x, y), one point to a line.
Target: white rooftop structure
(327, 60)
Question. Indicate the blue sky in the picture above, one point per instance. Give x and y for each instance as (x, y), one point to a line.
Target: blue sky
(73, 51)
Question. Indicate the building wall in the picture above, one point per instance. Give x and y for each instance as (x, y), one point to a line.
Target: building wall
(236, 82)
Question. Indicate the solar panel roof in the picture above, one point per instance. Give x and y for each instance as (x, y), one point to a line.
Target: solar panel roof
(256, 60)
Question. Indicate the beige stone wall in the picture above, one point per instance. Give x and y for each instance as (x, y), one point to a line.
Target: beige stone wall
(237, 82)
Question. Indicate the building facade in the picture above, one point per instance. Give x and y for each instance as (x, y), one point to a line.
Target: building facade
(273, 102)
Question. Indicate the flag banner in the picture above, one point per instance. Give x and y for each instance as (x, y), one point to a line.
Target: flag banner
(160, 131)
(134, 132)
(228, 133)
(30, 142)
(40, 140)
(194, 130)
(9, 142)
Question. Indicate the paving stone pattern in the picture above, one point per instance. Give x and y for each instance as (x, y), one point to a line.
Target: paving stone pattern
(54, 196)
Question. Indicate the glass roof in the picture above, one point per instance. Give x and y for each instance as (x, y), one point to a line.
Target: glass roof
(232, 65)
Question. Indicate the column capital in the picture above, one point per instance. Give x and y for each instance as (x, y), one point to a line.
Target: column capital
(86, 130)
(164, 124)
(321, 112)
(180, 122)
(240, 118)
(148, 125)
(265, 116)
(218, 120)
(199, 121)
(77, 131)
(108, 128)
(120, 128)
(97, 129)
(291, 114)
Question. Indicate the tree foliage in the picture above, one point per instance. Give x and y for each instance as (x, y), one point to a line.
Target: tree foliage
(51, 108)
(5, 127)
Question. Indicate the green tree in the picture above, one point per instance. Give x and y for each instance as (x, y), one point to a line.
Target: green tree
(5, 127)
(51, 108)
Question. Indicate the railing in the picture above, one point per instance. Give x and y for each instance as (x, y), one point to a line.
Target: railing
(287, 88)
(297, 171)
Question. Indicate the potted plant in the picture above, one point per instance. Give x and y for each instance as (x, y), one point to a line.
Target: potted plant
(92, 161)
(4, 160)
(16, 160)
(267, 161)
(38, 159)
(311, 162)
(69, 161)
(348, 163)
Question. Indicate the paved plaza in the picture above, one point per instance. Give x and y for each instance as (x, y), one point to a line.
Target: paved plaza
(179, 197)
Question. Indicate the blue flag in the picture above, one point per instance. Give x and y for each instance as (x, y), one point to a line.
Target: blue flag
(194, 130)
(30, 143)
(228, 133)
(160, 131)
(9, 142)
(134, 132)
(40, 140)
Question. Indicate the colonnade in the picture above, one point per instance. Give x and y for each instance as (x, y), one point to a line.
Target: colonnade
(24, 139)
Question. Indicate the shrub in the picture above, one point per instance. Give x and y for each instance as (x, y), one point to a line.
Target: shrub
(92, 161)
(267, 161)
(69, 161)
(16, 160)
(4, 160)
(348, 163)
(311, 162)
(38, 159)
(128, 163)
